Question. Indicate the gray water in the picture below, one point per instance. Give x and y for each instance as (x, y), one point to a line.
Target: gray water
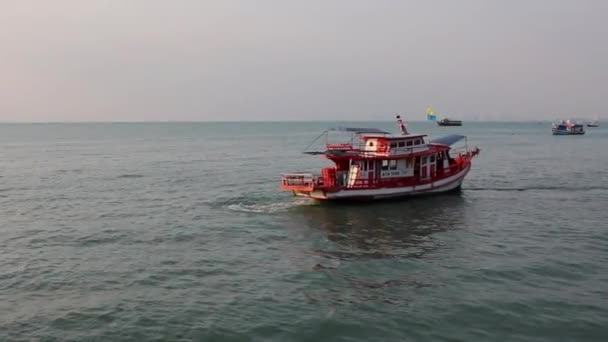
(178, 232)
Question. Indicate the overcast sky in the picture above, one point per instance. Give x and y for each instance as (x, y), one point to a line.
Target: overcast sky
(107, 60)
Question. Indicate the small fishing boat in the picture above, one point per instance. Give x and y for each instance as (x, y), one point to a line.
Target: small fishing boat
(448, 122)
(373, 164)
(566, 127)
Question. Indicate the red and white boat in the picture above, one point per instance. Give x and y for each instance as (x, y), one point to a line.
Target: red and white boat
(374, 164)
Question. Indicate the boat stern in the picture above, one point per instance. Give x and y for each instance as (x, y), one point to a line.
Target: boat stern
(304, 185)
(298, 182)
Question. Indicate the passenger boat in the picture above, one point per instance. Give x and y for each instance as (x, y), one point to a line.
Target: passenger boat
(448, 122)
(374, 164)
(566, 127)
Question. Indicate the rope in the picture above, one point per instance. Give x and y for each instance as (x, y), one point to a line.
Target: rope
(314, 141)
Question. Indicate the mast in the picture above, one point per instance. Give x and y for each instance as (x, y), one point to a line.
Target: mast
(402, 126)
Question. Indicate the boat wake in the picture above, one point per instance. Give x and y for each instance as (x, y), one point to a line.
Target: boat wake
(263, 206)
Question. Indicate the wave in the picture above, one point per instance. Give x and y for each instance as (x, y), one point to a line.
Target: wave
(70, 171)
(540, 188)
(130, 176)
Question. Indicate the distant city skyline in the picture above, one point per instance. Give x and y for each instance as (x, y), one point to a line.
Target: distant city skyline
(271, 60)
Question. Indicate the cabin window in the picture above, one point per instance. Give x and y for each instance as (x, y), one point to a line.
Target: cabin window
(409, 143)
(371, 165)
(392, 164)
(423, 160)
(432, 158)
(393, 145)
(402, 144)
(385, 165)
(371, 144)
(408, 163)
(417, 142)
(364, 165)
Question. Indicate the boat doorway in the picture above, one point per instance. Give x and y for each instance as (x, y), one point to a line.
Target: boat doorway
(425, 173)
(371, 171)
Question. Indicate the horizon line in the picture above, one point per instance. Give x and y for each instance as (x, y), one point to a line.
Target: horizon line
(241, 121)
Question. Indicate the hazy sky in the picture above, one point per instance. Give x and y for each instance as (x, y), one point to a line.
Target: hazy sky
(99, 60)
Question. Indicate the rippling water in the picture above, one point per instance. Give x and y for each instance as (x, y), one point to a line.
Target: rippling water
(178, 232)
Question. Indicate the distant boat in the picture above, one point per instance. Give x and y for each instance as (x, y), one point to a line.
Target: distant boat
(448, 122)
(565, 127)
(594, 123)
(430, 114)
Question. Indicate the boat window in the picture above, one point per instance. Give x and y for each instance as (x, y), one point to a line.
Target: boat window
(402, 144)
(432, 158)
(370, 165)
(385, 165)
(423, 160)
(393, 144)
(393, 164)
(364, 165)
(408, 163)
(371, 144)
(417, 142)
(409, 143)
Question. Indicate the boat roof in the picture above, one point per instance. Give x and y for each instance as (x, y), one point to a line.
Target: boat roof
(447, 140)
(400, 137)
(358, 130)
(369, 131)
(569, 121)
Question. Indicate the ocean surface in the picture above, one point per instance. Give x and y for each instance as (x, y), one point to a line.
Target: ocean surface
(179, 232)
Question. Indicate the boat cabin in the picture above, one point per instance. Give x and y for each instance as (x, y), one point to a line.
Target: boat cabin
(382, 159)
(393, 145)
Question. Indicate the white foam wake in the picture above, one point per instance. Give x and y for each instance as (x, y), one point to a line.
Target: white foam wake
(269, 208)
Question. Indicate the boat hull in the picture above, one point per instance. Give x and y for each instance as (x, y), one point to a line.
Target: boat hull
(447, 184)
(449, 123)
(560, 132)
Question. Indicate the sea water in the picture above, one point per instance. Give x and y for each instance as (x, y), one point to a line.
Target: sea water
(179, 232)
